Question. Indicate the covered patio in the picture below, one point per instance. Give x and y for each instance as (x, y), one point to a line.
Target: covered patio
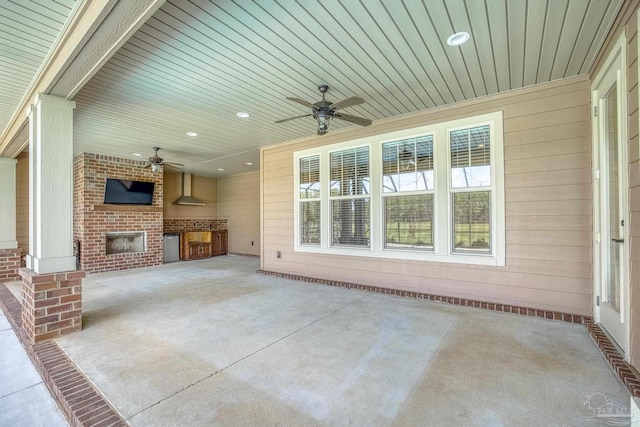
(211, 342)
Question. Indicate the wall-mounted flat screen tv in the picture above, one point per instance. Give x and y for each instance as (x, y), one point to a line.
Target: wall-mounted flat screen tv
(126, 192)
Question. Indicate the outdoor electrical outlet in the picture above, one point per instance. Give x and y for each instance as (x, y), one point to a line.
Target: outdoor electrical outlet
(194, 224)
(278, 254)
(252, 243)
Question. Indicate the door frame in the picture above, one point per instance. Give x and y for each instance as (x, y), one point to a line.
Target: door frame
(616, 58)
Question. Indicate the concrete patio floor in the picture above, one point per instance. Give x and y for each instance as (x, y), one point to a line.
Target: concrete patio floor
(21, 386)
(211, 342)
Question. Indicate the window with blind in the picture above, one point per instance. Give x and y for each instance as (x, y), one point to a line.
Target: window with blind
(432, 193)
(349, 197)
(470, 150)
(309, 196)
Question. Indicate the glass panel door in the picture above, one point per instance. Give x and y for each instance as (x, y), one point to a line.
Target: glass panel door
(611, 199)
(614, 230)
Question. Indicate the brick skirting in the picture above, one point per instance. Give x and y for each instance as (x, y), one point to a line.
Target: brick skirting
(80, 402)
(9, 264)
(52, 303)
(627, 374)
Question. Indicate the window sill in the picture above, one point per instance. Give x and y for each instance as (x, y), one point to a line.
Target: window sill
(406, 255)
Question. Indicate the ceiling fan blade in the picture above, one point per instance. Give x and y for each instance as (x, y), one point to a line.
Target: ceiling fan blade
(173, 164)
(147, 166)
(349, 102)
(293, 118)
(303, 102)
(353, 119)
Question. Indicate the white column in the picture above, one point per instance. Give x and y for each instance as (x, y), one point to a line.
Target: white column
(635, 411)
(51, 185)
(8, 204)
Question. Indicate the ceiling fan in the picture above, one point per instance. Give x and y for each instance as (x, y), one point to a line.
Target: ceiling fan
(323, 111)
(156, 161)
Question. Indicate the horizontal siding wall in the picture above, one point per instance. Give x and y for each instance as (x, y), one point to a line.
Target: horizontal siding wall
(634, 186)
(634, 189)
(628, 21)
(239, 203)
(547, 196)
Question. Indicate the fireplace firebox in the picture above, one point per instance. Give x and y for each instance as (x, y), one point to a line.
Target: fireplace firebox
(126, 242)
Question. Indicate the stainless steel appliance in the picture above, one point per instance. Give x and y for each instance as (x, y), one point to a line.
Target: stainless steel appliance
(171, 247)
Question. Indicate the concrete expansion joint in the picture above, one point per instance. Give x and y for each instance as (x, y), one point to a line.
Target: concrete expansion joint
(248, 356)
(21, 390)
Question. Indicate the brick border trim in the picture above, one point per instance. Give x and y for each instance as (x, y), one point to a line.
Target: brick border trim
(627, 373)
(503, 308)
(81, 403)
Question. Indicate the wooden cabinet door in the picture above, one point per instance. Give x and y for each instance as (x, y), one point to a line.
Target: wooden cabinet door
(205, 250)
(216, 243)
(194, 250)
(220, 242)
(223, 242)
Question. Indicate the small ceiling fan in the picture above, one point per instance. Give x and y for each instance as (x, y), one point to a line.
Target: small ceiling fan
(323, 111)
(156, 161)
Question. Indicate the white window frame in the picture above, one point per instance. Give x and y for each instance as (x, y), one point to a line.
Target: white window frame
(384, 195)
(341, 197)
(443, 218)
(306, 200)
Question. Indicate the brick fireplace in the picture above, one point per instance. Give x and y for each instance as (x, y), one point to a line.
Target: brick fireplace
(114, 237)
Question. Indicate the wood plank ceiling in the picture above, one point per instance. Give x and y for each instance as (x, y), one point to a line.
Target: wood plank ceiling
(196, 63)
(28, 30)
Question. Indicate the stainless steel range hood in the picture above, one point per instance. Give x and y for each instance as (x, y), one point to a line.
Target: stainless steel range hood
(186, 198)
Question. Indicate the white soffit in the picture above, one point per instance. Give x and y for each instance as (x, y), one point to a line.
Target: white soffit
(196, 63)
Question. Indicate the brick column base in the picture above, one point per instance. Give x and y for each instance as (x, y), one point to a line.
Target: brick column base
(51, 303)
(9, 264)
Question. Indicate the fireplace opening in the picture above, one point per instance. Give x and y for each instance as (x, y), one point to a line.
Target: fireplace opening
(126, 242)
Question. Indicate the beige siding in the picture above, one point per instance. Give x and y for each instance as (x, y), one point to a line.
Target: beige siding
(634, 193)
(202, 188)
(627, 21)
(634, 190)
(239, 203)
(22, 201)
(548, 207)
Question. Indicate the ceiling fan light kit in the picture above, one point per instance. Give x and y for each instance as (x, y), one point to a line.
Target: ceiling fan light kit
(155, 162)
(323, 111)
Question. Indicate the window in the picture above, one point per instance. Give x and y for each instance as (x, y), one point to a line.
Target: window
(349, 187)
(432, 193)
(309, 196)
(470, 150)
(407, 187)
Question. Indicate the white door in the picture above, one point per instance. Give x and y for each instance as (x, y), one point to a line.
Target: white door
(610, 199)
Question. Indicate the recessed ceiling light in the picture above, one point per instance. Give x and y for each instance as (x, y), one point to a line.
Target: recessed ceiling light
(249, 164)
(220, 169)
(458, 38)
(137, 154)
(242, 115)
(192, 134)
